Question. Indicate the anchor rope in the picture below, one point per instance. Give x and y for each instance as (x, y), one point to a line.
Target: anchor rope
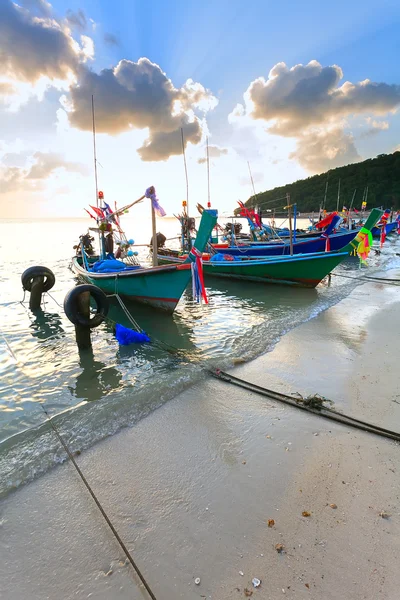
(88, 487)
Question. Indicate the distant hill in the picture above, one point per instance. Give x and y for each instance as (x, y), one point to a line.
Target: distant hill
(380, 174)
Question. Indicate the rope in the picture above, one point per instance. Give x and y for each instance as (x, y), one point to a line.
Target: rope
(99, 506)
(325, 412)
(88, 487)
(370, 279)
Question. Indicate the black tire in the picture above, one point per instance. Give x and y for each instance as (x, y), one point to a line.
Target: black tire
(72, 311)
(29, 275)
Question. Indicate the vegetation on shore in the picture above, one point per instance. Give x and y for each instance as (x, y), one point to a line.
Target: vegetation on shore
(381, 175)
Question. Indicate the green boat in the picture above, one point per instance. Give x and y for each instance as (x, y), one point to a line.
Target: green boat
(305, 270)
(160, 287)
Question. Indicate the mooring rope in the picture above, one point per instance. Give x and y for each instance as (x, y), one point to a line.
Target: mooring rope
(88, 487)
(325, 411)
(369, 279)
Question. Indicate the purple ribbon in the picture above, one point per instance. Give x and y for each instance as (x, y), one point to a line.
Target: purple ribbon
(151, 193)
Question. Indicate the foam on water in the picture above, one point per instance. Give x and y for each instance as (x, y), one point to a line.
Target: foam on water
(94, 395)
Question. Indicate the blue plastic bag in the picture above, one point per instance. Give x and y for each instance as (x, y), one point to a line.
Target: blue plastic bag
(127, 336)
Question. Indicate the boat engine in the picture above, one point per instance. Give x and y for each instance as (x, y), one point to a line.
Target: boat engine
(161, 239)
(86, 239)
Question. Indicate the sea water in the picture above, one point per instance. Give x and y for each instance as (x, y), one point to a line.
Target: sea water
(92, 395)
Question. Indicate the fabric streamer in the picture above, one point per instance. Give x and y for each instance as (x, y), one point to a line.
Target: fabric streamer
(383, 234)
(127, 336)
(199, 290)
(364, 239)
(327, 241)
(325, 222)
(151, 193)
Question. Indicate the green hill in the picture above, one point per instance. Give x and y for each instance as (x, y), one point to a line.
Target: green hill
(380, 174)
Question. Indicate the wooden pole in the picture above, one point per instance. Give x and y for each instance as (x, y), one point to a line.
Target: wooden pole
(82, 334)
(35, 298)
(208, 177)
(154, 230)
(290, 224)
(338, 198)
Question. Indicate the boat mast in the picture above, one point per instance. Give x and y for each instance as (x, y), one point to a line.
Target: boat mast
(187, 193)
(154, 233)
(290, 224)
(326, 191)
(101, 235)
(351, 206)
(208, 176)
(338, 198)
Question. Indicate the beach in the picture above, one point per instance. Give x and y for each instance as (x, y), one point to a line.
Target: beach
(191, 487)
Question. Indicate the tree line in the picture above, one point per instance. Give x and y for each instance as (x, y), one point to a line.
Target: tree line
(381, 175)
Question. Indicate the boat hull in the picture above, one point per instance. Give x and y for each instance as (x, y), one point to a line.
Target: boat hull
(390, 227)
(160, 287)
(301, 271)
(337, 242)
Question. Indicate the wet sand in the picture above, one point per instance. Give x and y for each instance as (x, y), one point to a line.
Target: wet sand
(191, 487)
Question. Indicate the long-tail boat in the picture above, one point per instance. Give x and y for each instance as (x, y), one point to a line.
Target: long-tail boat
(159, 286)
(305, 270)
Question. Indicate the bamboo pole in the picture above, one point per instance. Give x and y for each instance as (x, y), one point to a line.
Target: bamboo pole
(154, 229)
(290, 224)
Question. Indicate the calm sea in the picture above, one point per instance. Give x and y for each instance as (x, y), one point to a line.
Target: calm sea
(95, 394)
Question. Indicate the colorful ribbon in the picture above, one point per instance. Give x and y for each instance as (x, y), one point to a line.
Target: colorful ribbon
(199, 290)
(364, 239)
(151, 193)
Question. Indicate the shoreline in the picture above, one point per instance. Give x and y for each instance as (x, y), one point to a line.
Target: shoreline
(190, 488)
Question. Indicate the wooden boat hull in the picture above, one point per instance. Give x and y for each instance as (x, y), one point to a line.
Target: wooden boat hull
(160, 287)
(390, 227)
(301, 270)
(337, 242)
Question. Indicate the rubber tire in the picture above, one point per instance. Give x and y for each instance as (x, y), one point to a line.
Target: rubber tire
(71, 306)
(29, 275)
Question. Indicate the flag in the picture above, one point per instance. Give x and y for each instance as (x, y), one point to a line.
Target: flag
(151, 193)
(90, 214)
(384, 218)
(97, 211)
(106, 209)
(327, 221)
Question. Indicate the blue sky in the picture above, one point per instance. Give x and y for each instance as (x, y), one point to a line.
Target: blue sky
(223, 46)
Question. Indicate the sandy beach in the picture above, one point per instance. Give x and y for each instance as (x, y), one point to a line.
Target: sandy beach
(191, 487)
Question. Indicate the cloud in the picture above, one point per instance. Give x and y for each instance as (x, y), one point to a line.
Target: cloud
(76, 19)
(33, 177)
(306, 95)
(139, 95)
(213, 152)
(6, 89)
(110, 39)
(42, 7)
(374, 127)
(321, 150)
(34, 47)
(307, 102)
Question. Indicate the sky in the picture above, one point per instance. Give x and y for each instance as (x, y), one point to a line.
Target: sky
(290, 89)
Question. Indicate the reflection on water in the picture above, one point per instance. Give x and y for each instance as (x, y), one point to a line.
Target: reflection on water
(46, 325)
(95, 380)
